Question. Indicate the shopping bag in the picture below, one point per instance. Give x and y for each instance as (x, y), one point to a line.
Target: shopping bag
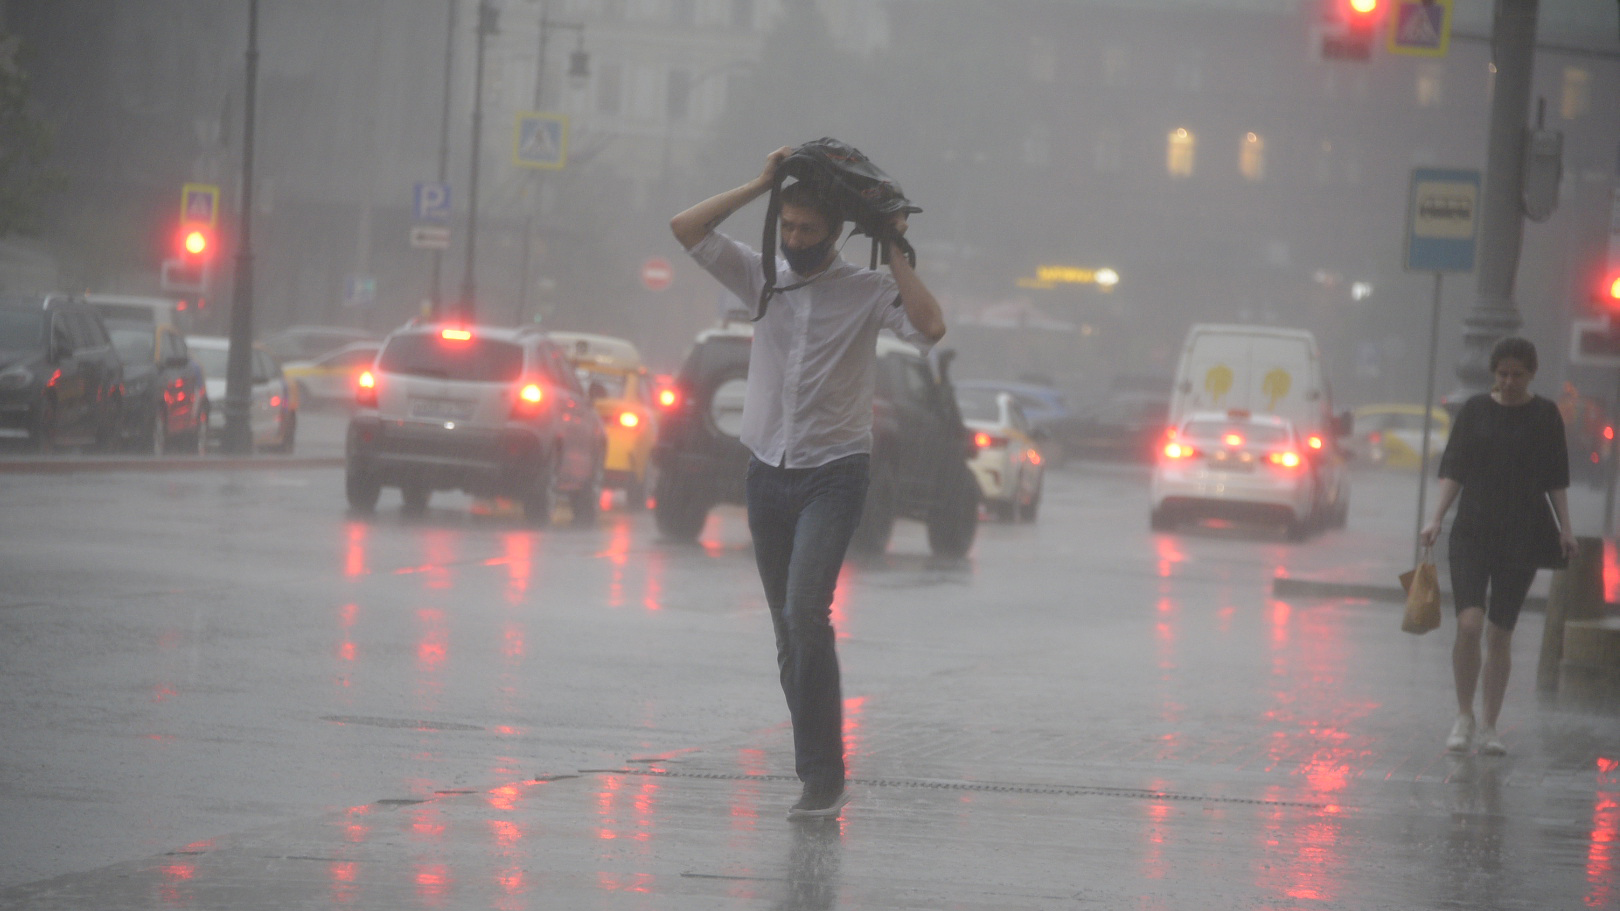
(1422, 584)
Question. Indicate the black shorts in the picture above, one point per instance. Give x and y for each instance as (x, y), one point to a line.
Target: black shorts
(1473, 569)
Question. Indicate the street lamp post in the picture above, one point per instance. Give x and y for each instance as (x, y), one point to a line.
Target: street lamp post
(239, 357)
(466, 307)
(578, 69)
(435, 293)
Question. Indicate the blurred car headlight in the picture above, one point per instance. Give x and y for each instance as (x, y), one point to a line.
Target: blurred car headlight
(18, 377)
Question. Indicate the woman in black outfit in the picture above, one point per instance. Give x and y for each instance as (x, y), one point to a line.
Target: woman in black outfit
(1507, 459)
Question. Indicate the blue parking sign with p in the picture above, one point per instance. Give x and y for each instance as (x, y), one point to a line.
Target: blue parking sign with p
(432, 202)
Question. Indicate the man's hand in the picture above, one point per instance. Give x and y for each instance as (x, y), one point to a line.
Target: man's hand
(772, 162)
(695, 223)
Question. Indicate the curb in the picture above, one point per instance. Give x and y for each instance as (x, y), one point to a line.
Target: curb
(1285, 587)
(189, 463)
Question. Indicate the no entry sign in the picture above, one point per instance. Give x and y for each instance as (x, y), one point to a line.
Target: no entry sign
(657, 273)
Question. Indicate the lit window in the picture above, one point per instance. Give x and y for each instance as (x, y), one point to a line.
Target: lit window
(1252, 157)
(1577, 96)
(1183, 145)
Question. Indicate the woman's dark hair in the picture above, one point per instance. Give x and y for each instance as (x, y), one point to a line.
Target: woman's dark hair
(1520, 349)
(806, 196)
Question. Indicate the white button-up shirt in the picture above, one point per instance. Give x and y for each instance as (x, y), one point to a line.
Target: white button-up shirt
(814, 359)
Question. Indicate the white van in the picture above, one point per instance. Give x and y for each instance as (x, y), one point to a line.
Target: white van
(1261, 370)
(139, 309)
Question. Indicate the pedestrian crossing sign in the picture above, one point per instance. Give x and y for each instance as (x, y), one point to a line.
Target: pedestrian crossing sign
(1420, 28)
(540, 140)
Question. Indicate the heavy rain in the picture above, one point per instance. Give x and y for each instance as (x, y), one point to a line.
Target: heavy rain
(394, 432)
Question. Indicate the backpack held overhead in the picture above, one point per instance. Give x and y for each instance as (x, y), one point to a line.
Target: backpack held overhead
(863, 193)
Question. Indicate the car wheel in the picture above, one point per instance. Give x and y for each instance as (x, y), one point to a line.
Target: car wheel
(877, 515)
(112, 419)
(416, 499)
(1028, 511)
(540, 497)
(586, 502)
(43, 438)
(156, 441)
(362, 490)
(289, 434)
(1161, 520)
(679, 511)
(954, 518)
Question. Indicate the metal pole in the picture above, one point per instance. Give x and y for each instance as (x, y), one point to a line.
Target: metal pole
(435, 294)
(1502, 224)
(469, 283)
(239, 359)
(1614, 463)
(1428, 417)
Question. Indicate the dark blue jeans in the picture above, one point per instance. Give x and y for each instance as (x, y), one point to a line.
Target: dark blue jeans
(802, 520)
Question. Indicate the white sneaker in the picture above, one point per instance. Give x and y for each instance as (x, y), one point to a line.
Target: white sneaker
(1462, 734)
(1489, 743)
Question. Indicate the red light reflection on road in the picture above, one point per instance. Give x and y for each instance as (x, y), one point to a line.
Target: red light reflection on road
(354, 556)
(841, 601)
(1611, 572)
(519, 565)
(1605, 841)
(427, 822)
(638, 882)
(642, 804)
(346, 648)
(176, 877)
(1169, 552)
(653, 595)
(852, 732)
(433, 883)
(355, 829)
(618, 554)
(1153, 863)
(344, 875)
(434, 643)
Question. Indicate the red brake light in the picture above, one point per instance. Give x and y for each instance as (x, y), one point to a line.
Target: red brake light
(1375, 438)
(455, 335)
(1034, 457)
(365, 393)
(668, 398)
(988, 441)
(1285, 459)
(629, 419)
(528, 400)
(1608, 432)
(1233, 439)
(1179, 451)
(1313, 441)
(275, 401)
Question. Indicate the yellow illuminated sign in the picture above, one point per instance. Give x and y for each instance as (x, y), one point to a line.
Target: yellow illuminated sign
(1048, 277)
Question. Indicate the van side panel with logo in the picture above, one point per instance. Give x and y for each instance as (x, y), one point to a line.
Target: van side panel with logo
(1256, 369)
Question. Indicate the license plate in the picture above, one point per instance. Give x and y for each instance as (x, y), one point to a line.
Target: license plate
(1223, 461)
(441, 409)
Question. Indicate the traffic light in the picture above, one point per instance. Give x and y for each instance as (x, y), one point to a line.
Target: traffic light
(188, 269)
(1349, 28)
(1608, 293)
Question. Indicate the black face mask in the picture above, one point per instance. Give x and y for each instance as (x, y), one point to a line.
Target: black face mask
(803, 261)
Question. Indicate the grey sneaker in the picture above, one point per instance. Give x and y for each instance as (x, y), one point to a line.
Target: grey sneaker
(1462, 734)
(819, 803)
(1489, 743)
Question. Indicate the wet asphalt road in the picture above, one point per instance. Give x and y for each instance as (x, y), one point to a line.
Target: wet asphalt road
(219, 691)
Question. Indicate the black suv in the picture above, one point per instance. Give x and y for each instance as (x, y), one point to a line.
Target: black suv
(61, 381)
(919, 446)
(487, 410)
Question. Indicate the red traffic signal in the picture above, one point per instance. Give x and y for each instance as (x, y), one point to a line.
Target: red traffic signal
(1609, 292)
(195, 243)
(1348, 28)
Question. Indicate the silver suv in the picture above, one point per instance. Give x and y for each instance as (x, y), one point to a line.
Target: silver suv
(490, 411)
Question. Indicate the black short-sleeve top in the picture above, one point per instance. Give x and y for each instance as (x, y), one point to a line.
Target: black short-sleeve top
(1506, 458)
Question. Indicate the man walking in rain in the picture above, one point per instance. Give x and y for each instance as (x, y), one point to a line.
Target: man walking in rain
(807, 419)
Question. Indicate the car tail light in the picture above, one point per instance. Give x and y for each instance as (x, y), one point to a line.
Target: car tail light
(527, 402)
(1313, 441)
(365, 393)
(275, 401)
(668, 398)
(1287, 458)
(629, 419)
(1375, 438)
(1233, 439)
(1035, 457)
(455, 335)
(1608, 432)
(984, 440)
(1174, 450)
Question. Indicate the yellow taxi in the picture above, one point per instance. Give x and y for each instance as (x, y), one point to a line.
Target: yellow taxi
(611, 370)
(1391, 435)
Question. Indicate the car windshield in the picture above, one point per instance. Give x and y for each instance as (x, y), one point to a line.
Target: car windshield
(21, 329)
(978, 404)
(211, 360)
(612, 382)
(135, 346)
(1253, 434)
(478, 360)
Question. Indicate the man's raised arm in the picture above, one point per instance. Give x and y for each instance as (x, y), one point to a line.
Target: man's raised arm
(695, 223)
